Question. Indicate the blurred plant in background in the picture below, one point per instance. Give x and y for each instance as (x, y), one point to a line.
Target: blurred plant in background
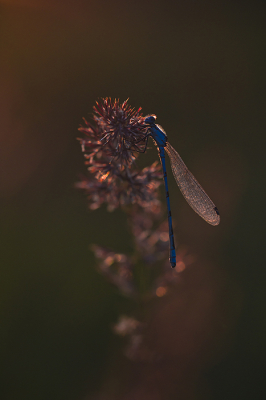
(111, 146)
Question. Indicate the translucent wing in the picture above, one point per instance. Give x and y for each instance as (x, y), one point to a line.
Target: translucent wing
(191, 189)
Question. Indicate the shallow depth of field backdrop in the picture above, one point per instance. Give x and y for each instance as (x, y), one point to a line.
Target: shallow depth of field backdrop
(200, 66)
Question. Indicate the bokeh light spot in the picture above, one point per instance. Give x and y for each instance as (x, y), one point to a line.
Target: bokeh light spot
(161, 291)
(180, 266)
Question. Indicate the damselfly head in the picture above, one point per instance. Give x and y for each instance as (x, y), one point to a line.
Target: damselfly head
(150, 119)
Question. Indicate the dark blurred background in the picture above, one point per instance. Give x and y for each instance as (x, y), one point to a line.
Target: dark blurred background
(200, 67)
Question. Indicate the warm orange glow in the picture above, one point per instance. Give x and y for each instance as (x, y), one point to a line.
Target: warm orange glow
(109, 260)
(103, 177)
(161, 291)
(180, 266)
(164, 236)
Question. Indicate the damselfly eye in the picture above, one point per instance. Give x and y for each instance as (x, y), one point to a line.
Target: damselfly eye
(150, 119)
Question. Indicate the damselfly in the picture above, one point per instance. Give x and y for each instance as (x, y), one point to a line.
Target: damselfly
(190, 188)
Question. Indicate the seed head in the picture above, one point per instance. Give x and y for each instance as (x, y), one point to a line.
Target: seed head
(111, 145)
(119, 132)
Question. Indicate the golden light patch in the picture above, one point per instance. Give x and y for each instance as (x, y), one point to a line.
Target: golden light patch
(180, 266)
(161, 291)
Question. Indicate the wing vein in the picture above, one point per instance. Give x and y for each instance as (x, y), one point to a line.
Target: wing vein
(192, 191)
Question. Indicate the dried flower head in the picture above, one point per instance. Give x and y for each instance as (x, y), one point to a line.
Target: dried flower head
(111, 146)
(118, 132)
(123, 129)
(123, 188)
